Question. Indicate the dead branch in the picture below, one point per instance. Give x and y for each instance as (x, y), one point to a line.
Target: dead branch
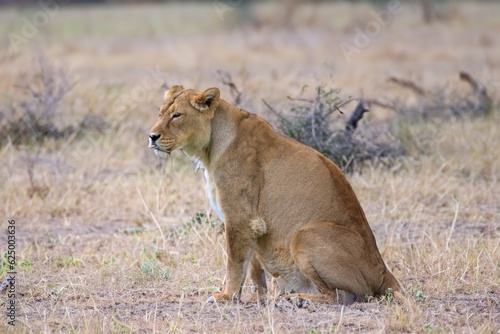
(343, 103)
(408, 84)
(379, 103)
(479, 90)
(340, 105)
(227, 80)
(274, 111)
(477, 87)
(357, 115)
(324, 96)
(300, 99)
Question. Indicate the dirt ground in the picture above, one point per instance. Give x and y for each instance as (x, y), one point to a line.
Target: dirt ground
(111, 239)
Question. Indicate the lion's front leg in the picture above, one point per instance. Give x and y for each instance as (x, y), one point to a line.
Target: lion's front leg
(239, 245)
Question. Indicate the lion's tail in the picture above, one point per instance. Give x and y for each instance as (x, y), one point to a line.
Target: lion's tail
(397, 290)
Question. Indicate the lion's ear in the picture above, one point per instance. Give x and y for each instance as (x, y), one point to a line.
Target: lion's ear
(172, 91)
(207, 100)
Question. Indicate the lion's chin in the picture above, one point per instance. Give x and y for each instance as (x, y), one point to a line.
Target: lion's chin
(161, 154)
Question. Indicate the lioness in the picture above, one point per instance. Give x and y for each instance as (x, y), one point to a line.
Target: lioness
(287, 208)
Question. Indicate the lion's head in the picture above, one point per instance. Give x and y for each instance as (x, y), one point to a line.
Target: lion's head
(184, 120)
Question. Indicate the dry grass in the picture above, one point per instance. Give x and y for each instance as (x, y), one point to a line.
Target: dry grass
(112, 242)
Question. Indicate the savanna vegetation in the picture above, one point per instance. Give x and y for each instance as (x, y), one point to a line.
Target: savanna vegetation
(109, 238)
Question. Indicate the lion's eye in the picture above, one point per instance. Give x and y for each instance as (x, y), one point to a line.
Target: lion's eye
(176, 115)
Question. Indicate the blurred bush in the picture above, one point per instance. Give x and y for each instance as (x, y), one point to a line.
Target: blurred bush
(36, 115)
(312, 122)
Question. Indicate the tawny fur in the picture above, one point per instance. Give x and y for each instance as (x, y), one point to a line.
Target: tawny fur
(287, 209)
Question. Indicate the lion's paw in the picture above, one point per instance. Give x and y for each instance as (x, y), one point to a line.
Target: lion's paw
(222, 296)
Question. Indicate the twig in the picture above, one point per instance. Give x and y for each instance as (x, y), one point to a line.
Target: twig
(346, 102)
(324, 96)
(452, 228)
(408, 84)
(274, 111)
(315, 111)
(480, 90)
(226, 79)
(300, 99)
(469, 79)
(338, 106)
(339, 324)
(381, 104)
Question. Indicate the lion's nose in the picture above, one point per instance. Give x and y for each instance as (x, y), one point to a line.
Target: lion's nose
(153, 137)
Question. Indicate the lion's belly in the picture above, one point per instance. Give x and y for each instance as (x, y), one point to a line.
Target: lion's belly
(212, 196)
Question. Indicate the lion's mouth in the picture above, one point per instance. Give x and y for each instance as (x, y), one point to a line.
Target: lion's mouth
(161, 153)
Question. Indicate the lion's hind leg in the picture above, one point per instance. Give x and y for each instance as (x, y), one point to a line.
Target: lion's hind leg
(335, 257)
(304, 299)
(258, 276)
